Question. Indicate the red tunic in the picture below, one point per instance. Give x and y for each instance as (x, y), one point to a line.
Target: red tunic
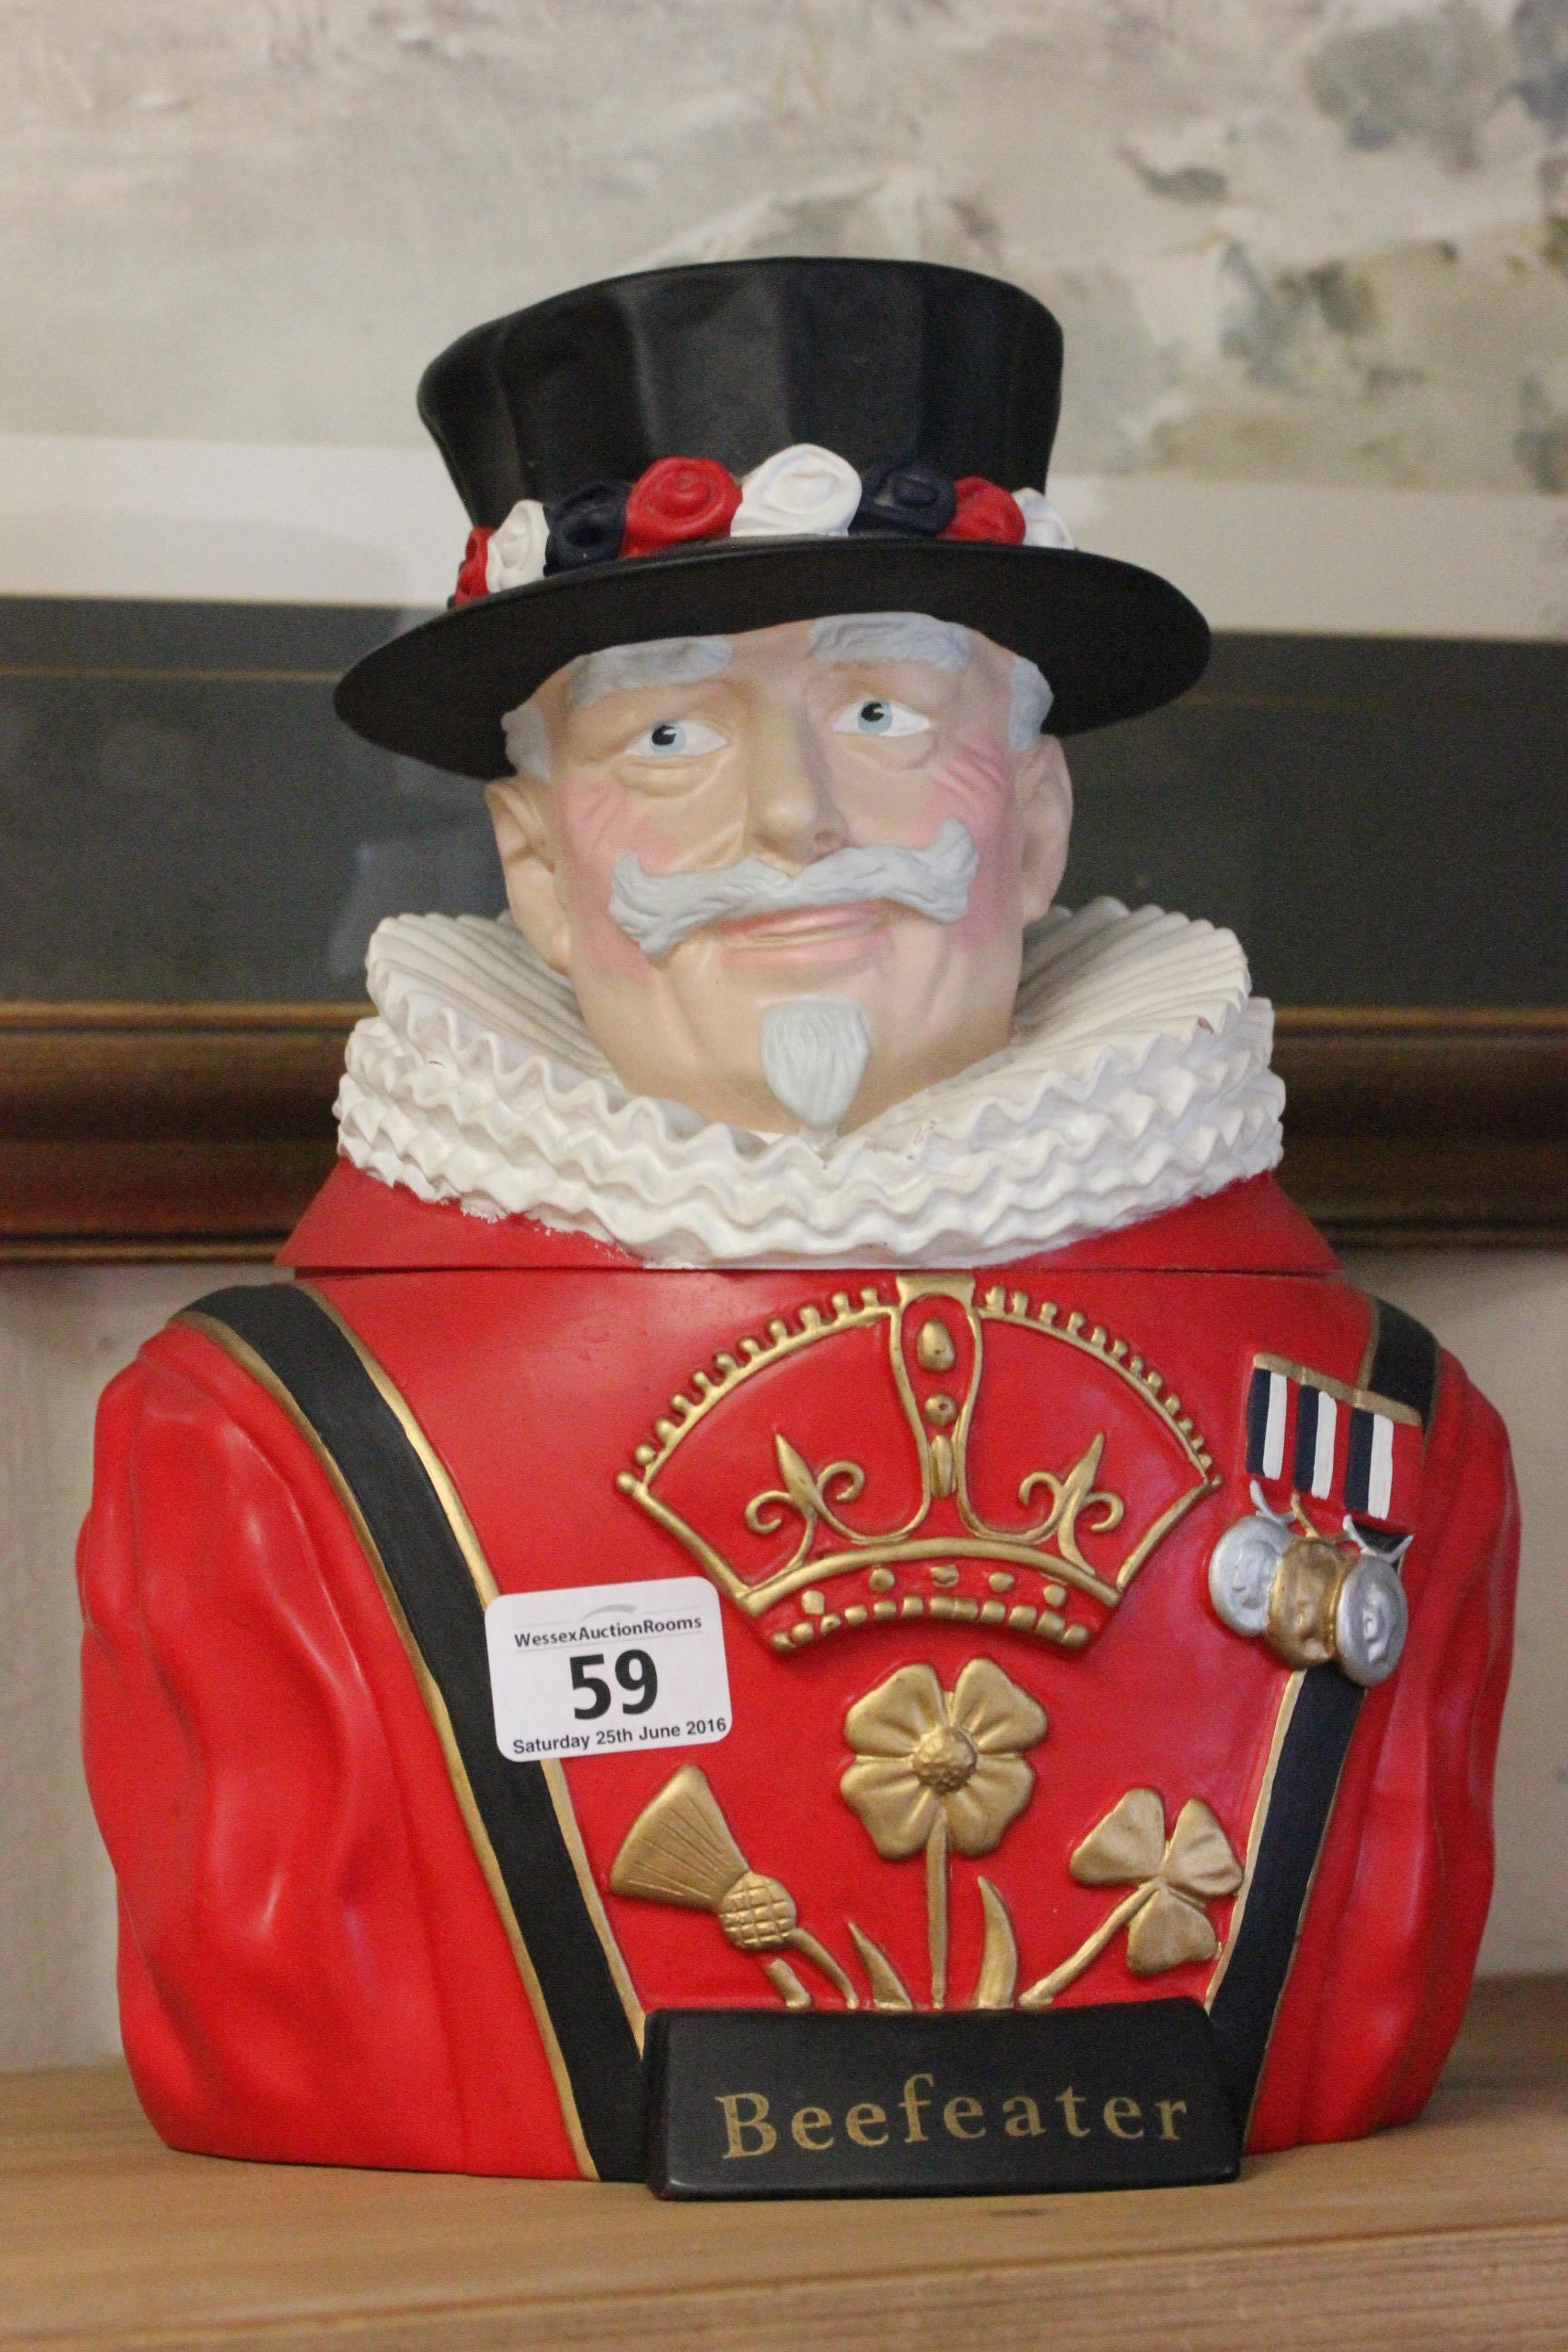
(313, 1966)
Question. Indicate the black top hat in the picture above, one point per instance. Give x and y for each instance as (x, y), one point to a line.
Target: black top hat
(917, 376)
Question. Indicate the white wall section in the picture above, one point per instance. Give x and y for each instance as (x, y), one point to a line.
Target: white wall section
(299, 523)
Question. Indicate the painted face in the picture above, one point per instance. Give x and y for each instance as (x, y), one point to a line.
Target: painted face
(1250, 1564)
(788, 873)
(1374, 1618)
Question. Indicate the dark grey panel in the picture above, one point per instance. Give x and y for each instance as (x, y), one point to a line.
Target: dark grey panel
(182, 817)
(1383, 821)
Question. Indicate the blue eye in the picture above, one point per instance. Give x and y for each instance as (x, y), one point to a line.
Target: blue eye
(675, 738)
(877, 715)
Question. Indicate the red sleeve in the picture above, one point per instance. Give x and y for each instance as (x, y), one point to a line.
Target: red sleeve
(310, 1966)
(1382, 1971)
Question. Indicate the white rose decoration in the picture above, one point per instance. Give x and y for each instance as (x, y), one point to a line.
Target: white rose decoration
(801, 491)
(1043, 526)
(516, 552)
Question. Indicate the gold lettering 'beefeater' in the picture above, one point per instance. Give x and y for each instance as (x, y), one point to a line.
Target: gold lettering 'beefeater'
(751, 2127)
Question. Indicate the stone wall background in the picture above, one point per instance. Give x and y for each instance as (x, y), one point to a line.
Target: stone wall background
(1315, 241)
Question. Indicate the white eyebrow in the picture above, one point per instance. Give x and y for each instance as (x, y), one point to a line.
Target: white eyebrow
(663, 661)
(890, 636)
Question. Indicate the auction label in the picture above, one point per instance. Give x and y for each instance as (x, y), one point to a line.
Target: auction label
(608, 1667)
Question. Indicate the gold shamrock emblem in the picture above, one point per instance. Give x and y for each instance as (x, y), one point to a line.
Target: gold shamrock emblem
(1173, 1882)
(934, 1769)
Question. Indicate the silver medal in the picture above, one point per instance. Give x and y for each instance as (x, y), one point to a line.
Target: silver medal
(1370, 1622)
(1241, 1571)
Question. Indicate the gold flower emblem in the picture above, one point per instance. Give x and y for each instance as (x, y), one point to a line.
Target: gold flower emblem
(934, 1768)
(926, 1756)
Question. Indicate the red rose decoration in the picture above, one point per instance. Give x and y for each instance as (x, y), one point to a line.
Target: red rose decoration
(985, 512)
(471, 580)
(679, 499)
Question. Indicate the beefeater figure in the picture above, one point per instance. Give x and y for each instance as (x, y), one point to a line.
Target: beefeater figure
(785, 1202)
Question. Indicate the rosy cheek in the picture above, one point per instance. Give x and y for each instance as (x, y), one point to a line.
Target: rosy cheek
(600, 820)
(976, 784)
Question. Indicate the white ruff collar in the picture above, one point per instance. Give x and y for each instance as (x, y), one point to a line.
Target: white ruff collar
(1137, 1078)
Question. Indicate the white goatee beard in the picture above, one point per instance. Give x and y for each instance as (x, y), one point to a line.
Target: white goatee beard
(814, 1054)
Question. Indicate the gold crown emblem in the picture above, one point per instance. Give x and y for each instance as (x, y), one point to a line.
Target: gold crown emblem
(923, 1451)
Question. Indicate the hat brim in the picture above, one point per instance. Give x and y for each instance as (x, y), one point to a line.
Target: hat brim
(1112, 639)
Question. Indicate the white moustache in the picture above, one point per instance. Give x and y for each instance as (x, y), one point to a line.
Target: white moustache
(659, 910)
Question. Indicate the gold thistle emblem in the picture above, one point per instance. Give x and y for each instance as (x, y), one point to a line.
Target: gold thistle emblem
(680, 1849)
(982, 1488)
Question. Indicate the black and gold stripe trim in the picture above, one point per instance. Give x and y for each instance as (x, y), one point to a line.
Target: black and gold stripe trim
(427, 1563)
(1317, 1714)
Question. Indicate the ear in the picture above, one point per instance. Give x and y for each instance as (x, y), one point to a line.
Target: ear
(517, 808)
(1044, 822)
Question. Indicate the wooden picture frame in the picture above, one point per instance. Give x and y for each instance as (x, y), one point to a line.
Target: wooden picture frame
(201, 1130)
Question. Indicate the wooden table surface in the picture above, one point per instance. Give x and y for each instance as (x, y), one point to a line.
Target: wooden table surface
(1452, 2233)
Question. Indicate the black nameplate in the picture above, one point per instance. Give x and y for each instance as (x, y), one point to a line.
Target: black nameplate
(761, 2103)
